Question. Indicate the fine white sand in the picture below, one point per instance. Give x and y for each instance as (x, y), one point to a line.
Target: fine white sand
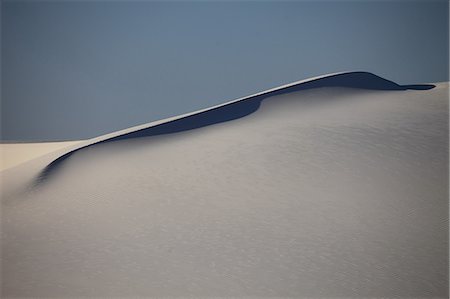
(13, 154)
(329, 192)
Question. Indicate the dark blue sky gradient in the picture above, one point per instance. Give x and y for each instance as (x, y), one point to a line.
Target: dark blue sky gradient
(73, 70)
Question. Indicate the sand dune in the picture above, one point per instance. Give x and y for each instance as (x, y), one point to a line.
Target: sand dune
(236, 109)
(323, 190)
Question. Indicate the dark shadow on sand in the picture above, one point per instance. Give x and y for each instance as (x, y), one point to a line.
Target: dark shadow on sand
(361, 80)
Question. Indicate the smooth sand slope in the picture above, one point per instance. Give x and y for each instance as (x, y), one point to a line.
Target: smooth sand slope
(13, 154)
(321, 192)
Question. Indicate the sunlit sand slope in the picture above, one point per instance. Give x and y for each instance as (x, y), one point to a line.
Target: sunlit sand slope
(13, 154)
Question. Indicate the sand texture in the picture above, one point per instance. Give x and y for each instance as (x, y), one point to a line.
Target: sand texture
(325, 192)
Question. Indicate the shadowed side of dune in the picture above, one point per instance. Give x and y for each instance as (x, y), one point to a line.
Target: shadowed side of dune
(235, 110)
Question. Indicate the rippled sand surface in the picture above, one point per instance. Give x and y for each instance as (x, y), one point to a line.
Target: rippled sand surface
(330, 192)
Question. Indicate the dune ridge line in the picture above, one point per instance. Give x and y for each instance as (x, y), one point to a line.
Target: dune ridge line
(233, 109)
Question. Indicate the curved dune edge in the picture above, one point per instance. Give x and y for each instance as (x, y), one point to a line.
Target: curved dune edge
(73, 146)
(232, 110)
(169, 119)
(14, 154)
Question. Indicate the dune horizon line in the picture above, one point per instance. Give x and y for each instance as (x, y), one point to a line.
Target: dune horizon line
(232, 110)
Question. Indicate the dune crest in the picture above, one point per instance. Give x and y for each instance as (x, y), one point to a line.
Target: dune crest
(239, 108)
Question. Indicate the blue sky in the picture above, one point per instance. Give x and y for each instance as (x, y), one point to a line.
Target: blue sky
(73, 70)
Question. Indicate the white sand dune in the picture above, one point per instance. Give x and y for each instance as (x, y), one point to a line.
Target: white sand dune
(14, 154)
(329, 192)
